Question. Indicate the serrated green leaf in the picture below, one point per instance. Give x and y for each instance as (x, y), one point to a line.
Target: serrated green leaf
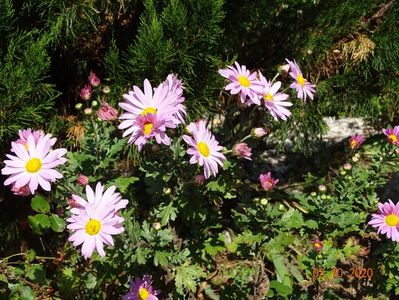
(161, 258)
(187, 276)
(123, 183)
(36, 273)
(167, 213)
(40, 204)
(57, 224)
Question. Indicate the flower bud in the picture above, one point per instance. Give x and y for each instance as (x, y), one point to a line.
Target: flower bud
(347, 166)
(323, 197)
(94, 103)
(322, 188)
(199, 179)
(258, 132)
(106, 89)
(85, 92)
(313, 194)
(264, 201)
(78, 106)
(156, 225)
(281, 207)
(342, 172)
(167, 191)
(94, 80)
(83, 180)
(284, 68)
(355, 159)
(88, 111)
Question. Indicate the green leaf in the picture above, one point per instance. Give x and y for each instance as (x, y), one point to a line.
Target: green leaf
(161, 258)
(91, 281)
(186, 277)
(26, 293)
(281, 289)
(30, 255)
(167, 213)
(123, 183)
(36, 273)
(40, 204)
(57, 224)
(39, 223)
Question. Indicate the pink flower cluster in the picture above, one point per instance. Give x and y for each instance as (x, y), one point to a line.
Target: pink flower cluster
(150, 113)
(33, 163)
(95, 220)
(254, 88)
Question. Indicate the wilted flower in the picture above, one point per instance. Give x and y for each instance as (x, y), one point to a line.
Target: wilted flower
(85, 92)
(94, 80)
(243, 82)
(317, 245)
(267, 181)
(387, 221)
(34, 165)
(392, 135)
(93, 222)
(83, 180)
(141, 289)
(301, 85)
(356, 141)
(22, 191)
(242, 150)
(107, 112)
(258, 132)
(274, 100)
(205, 150)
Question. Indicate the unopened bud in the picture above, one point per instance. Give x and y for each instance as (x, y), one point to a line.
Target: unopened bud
(156, 225)
(264, 201)
(94, 103)
(167, 191)
(322, 188)
(78, 106)
(281, 207)
(106, 89)
(343, 173)
(313, 194)
(323, 197)
(88, 111)
(347, 166)
(355, 159)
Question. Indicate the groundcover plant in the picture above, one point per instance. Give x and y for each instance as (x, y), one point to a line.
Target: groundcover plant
(177, 174)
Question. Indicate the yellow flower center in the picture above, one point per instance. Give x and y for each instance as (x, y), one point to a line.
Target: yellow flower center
(393, 138)
(33, 165)
(392, 220)
(143, 293)
(148, 128)
(268, 97)
(353, 144)
(93, 227)
(203, 149)
(244, 81)
(317, 245)
(149, 110)
(300, 80)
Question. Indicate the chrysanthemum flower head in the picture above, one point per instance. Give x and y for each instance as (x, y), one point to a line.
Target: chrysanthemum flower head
(21, 191)
(317, 245)
(107, 112)
(141, 289)
(303, 87)
(242, 150)
(93, 222)
(24, 133)
(258, 132)
(274, 100)
(387, 220)
(94, 80)
(244, 82)
(85, 92)
(356, 141)
(267, 181)
(34, 165)
(205, 150)
(392, 135)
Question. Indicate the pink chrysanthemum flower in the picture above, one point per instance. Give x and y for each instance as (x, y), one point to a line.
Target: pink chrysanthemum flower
(267, 181)
(175, 89)
(205, 150)
(94, 80)
(162, 101)
(23, 136)
(274, 100)
(356, 141)
(108, 199)
(83, 180)
(387, 221)
(303, 87)
(85, 92)
(243, 82)
(35, 165)
(107, 112)
(242, 150)
(258, 132)
(141, 289)
(149, 126)
(392, 135)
